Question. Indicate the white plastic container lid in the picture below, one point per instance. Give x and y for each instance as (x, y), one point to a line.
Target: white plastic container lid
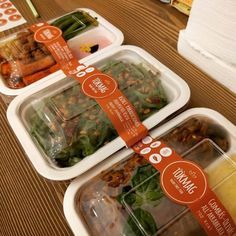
(221, 71)
(92, 186)
(86, 40)
(23, 107)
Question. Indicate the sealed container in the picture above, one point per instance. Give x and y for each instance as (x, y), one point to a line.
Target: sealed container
(24, 63)
(65, 133)
(123, 196)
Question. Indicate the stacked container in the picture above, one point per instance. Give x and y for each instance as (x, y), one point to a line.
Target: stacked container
(26, 64)
(65, 134)
(123, 196)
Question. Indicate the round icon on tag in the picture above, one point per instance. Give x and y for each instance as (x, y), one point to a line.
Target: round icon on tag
(47, 34)
(145, 151)
(166, 152)
(99, 86)
(80, 67)
(155, 144)
(89, 69)
(39, 24)
(155, 158)
(147, 140)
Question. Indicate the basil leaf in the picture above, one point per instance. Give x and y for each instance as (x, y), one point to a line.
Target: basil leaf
(140, 223)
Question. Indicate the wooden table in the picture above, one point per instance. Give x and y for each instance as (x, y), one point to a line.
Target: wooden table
(31, 205)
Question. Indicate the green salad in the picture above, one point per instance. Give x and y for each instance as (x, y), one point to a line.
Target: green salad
(70, 126)
(74, 23)
(127, 199)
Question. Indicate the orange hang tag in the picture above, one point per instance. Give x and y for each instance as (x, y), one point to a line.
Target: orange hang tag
(94, 83)
(185, 183)
(51, 37)
(212, 215)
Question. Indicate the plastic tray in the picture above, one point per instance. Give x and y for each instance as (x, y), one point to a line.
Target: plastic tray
(175, 212)
(20, 111)
(84, 40)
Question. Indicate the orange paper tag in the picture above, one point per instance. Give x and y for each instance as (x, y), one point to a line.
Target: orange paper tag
(95, 84)
(186, 183)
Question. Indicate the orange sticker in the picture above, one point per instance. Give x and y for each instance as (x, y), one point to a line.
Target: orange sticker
(15, 17)
(47, 34)
(156, 152)
(3, 22)
(95, 84)
(123, 116)
(185, 182)
(213, 216)
(5, 5)
(99, 86)
(10, 11)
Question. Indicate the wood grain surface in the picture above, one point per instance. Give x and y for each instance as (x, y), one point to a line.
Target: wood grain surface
(31, 205)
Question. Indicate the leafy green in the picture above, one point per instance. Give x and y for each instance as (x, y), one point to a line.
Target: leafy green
(70, 126)
(74, 23)
(142, 175)
(145, 188)
(140, 223)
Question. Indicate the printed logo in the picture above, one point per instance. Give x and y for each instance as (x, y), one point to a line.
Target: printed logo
(184, 182)
(99, 86)
(47, 34)
(155, 158)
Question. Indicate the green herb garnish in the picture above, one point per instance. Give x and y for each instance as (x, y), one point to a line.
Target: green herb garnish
(78, 127)
(140, 223)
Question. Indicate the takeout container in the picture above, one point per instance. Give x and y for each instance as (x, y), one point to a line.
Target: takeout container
(47, 101)
(122, 196)
(90, 42)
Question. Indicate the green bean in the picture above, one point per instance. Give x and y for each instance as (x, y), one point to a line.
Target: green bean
(65, 24)
(60, 20)
(74, 27)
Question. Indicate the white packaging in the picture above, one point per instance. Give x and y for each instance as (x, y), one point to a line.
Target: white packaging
(103, 29)
(221, 71)
(177, 91)
(71, 198)
(212, 26)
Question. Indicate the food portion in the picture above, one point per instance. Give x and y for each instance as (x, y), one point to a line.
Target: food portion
(222, 177)
(24, 61)
(70, 126)
(87, 44)
(74, 23)
(194, 131)
(127, 199)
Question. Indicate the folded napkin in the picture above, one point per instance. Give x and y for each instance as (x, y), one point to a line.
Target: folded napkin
(209, 40)
(212, 25)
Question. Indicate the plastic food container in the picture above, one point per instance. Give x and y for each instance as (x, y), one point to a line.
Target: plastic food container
(65, 133)
(25, 63)
(122, 196)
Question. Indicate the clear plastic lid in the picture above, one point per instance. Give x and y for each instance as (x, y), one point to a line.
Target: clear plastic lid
(74, 23)
(67, 126)
(145, 202)
(24, 61)
(127, 198)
